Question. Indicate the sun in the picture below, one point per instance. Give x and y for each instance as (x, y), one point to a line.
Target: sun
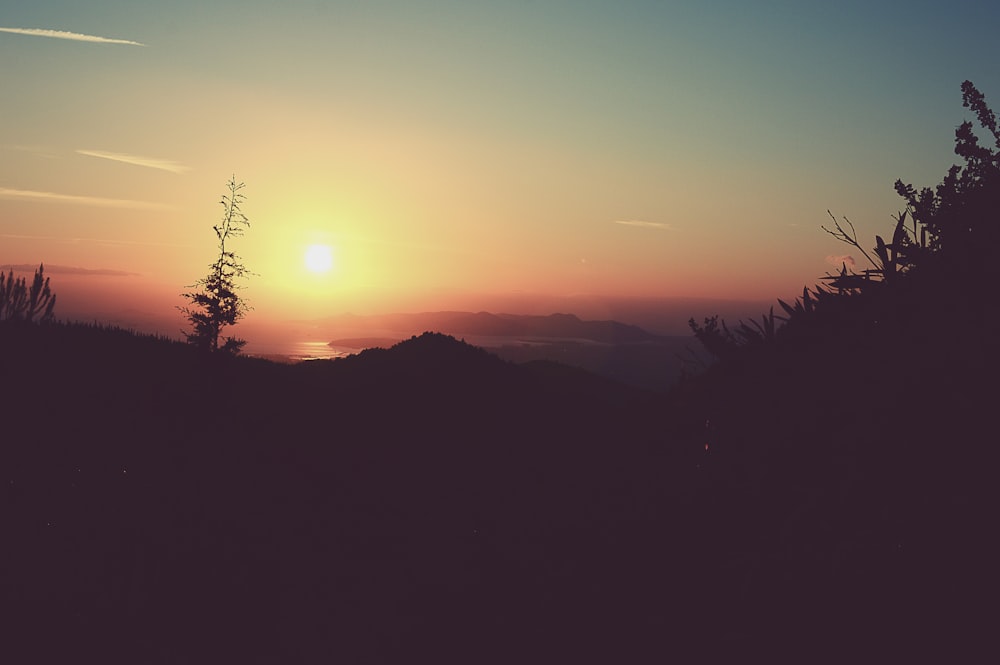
(318, 258)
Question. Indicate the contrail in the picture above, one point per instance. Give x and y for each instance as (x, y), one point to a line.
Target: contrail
(30, 195)
(149, 162)
(644, 224)
(75, 36)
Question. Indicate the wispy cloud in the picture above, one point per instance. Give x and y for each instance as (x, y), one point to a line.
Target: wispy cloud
(68, 270)
(31, 195)
(137, 160)
(75, 36)
(644, 224)
(40, 150)
(94, 241)
(841, 260)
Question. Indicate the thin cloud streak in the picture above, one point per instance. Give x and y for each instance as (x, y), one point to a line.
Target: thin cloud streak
(96, 241)
(74, 36)
(68, 270)
(137, 160)
(30, 195)
(40, 150)
(644, 224)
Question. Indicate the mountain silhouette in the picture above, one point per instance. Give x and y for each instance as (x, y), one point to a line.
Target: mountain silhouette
(625, 353)
(567, 326)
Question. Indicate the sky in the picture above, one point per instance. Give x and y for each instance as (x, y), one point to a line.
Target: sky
(455, 153)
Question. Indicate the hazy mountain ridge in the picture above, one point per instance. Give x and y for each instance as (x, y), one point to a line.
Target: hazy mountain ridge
(564, 326)
(622, 352)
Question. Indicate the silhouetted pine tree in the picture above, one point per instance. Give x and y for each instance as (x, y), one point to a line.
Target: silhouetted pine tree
(215, 304)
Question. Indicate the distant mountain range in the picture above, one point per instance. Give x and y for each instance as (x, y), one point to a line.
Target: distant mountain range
(612, 349)
(486, 324)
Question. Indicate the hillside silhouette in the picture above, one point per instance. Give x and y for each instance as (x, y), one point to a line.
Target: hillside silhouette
(218, 501)
(824, 492)
(622, 352)
(429, 497)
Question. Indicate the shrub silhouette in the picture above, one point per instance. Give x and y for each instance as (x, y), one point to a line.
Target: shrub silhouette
(940, 252)
(20, 302)
(959, 214)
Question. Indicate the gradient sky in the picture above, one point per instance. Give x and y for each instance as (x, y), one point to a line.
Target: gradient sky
(460, 148)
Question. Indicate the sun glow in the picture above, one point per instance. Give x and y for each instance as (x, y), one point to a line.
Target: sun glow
(318, 258)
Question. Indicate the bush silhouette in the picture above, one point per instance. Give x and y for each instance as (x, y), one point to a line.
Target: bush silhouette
(959, 214)
(20, 302)
(940, 252)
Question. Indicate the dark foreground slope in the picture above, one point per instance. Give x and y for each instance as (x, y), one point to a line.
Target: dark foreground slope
(854, 458)
(432, 502)
(427, 498)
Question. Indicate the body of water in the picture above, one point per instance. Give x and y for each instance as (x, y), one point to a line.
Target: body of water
(296, 351)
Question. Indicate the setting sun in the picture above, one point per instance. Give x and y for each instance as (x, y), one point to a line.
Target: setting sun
(318, 258)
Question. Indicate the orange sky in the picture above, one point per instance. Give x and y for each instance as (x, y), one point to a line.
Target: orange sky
(464, 152)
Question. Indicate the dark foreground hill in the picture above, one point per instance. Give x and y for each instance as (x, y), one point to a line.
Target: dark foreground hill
(431, 502)
(164, 508)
